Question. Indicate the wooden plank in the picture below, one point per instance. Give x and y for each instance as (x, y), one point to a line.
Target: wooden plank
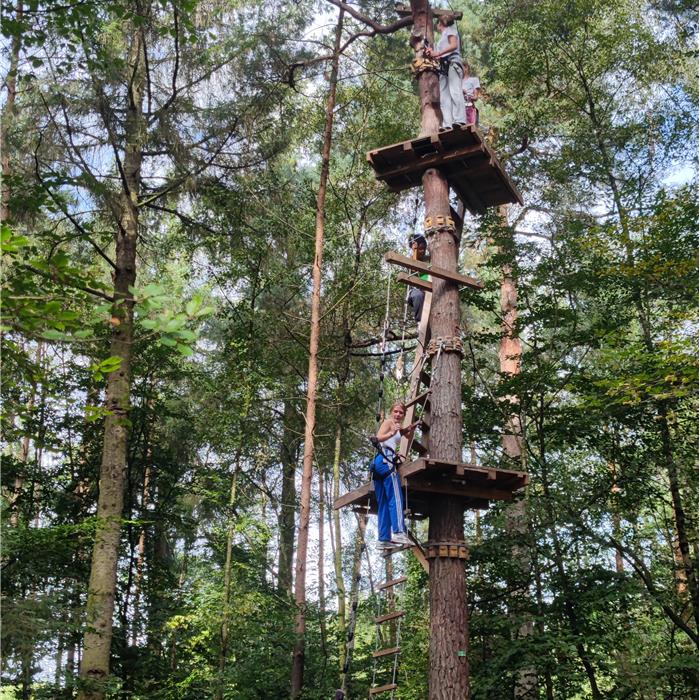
(459, 221)
(414, 467)
(383, 688)
(414, 281)
(418, 165)
(386, 652)
(419, 554)
(393, 582)
(353, 496)
(432, 270)
(419, 447)
(417, 399)
(462, 490)
(389, 616)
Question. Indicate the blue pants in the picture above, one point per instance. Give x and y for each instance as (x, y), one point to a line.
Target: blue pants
(390, 499)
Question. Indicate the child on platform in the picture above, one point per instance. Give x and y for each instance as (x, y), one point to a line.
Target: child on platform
(471, 87)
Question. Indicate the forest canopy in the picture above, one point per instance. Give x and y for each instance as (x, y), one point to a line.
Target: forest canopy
(198, 328)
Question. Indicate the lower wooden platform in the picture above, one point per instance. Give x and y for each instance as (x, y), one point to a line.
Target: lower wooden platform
(461, 153)
(426, 478)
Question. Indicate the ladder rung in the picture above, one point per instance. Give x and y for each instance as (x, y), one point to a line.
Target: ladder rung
(397, 549)
(419, 447)
(394, 582)
(390, 616)
(383, 688)
(386, 652)
(417, 399)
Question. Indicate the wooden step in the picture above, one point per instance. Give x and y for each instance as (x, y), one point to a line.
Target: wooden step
(383, 688)
(419, 447)
(394, 582)
(414, 281)
(395, 550)
(432, 270)
(390, 616)
(417, 399)
(386, 652)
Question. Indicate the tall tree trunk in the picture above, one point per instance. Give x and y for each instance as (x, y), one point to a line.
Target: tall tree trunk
(338, 549)
(8, 115)
(510, 357)
(307, 474)
(354, 600)
(94, 670)
(141, 549)
(226, 616)
(449, 668)
(321, 566)
(288, 458)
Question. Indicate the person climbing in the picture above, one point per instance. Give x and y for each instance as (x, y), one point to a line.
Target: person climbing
(416, 296)
(449, 52)
(472, 91)
(387, 483)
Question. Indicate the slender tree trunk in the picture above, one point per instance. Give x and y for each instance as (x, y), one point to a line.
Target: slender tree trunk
(141, 555)
(510, 357)
(8, 116)
(307, 474)
(226, 617)
(321, 566)
(24, 449)
(95, 666)
(449, 667)
(338, 549)
(354, 600)
(288, 458)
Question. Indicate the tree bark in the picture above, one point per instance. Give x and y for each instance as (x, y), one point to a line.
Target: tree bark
(94, 670)
(141, 556)
(338, 550)
(449, 667)
(288, 457)
(297, 680)
(8, 116)
(226, 613)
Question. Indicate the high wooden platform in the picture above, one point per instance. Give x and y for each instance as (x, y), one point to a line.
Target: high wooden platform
(461, 153)
(426, 477)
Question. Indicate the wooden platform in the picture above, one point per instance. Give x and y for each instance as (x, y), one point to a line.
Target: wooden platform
(461, 153)
(425, 478)
(432, 270)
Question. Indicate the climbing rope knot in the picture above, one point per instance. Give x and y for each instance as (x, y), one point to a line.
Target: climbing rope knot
(447, 550)
(448, 343)
(422, 64)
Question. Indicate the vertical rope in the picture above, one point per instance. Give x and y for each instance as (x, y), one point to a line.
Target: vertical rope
(382, 362)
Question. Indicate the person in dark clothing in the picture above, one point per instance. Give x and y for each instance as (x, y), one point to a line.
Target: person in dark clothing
(416, 296)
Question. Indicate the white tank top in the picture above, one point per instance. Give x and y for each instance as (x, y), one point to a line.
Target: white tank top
(393, 442)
